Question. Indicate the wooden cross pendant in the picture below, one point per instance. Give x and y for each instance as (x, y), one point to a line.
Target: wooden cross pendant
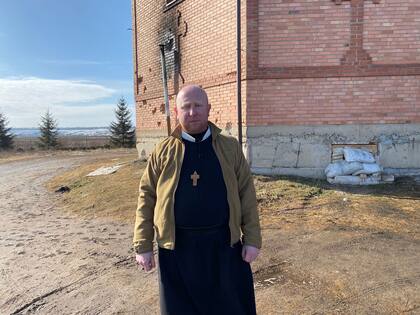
(195, 177)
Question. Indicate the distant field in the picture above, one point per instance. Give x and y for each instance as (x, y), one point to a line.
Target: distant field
(66, 142)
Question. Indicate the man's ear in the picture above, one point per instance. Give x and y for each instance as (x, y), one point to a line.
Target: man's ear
(176, 111)
(209, 107)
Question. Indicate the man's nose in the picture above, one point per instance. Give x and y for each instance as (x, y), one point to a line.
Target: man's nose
(192, 111)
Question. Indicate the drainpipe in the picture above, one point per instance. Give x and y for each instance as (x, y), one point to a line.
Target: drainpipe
(136, 65)
(238, 69)
(165, 88)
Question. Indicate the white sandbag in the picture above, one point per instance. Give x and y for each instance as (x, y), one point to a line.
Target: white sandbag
(354, 180)
(358, 155)
(369, 168)
(342, 168)
(346, 180)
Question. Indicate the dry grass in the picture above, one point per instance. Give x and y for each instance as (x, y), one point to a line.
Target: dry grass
(286, 202)
(65, 142)
(292, 203)
(113, 196)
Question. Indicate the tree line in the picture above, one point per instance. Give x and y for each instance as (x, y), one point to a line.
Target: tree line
(122, 132)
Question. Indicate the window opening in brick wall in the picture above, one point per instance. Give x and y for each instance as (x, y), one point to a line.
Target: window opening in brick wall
(171, 4)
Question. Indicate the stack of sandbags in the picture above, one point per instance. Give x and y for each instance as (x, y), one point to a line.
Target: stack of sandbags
(354, 167)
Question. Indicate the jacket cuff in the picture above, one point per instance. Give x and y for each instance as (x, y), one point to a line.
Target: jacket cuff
(252, 242)
(143, 248)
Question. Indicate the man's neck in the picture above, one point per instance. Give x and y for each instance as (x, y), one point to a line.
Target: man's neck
(196, 137)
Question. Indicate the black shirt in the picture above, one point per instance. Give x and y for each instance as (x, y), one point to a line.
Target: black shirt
(206, 203)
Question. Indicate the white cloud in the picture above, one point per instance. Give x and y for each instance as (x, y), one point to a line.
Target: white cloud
(27, 93)
(73, 103)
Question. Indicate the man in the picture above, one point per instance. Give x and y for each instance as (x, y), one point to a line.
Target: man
(198, 195)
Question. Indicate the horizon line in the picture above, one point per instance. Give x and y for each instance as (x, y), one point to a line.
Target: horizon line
(61, 127)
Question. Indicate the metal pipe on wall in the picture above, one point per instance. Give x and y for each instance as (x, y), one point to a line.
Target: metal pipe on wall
(238, 69)
(165, 88)
(136, 65)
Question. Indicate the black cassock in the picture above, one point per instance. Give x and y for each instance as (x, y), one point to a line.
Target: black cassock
(203, 275)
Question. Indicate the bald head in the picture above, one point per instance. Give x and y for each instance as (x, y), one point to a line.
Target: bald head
(191, 91)
(192, 109)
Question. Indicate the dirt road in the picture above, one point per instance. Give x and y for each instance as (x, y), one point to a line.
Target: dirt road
(53, 263)
(56, 263)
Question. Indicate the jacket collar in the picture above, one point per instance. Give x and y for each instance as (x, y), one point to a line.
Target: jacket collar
(215, 131)
(190, 138)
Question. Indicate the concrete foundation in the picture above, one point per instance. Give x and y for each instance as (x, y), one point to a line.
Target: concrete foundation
(146, 141)
(306, 150)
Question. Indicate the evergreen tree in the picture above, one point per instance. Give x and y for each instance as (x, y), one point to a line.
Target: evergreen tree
(6, 138)
(49, 133)
(122, 132)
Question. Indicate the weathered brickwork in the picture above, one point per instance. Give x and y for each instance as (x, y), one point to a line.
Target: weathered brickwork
(318, 101)
(204, 33)
(302, 33)
(331, 71)
(334, 62)
(392, 31)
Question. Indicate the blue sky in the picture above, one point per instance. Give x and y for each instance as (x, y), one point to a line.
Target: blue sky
(73, 57)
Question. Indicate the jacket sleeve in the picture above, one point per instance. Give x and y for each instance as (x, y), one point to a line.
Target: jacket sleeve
(250, 224)
(143, 228)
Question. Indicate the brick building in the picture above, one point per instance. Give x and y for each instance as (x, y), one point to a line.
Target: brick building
(315, 73)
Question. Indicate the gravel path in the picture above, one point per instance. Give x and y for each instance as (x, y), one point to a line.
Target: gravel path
(54, 263)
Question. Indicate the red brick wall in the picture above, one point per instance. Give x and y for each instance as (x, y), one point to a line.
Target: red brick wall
(334, 101)
(300, 76)
(293, 60)
(302, 32)
(392, 31)
(208, 57)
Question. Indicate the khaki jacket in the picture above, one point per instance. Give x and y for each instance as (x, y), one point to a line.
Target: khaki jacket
(155, 209)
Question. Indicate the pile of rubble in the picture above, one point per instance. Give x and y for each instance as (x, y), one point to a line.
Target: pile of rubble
(355, 167)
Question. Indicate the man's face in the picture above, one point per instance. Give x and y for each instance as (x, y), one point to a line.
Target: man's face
(192, 110)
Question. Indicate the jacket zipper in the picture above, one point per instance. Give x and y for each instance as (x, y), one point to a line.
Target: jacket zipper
(173, 195)
(227, 192)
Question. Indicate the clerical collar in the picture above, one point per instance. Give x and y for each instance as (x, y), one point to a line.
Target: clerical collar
(190, 138)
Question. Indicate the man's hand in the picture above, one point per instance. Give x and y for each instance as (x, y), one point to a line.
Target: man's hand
(249, 253)
(146, 261)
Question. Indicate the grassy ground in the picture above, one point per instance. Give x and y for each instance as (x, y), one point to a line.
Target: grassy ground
(289, 203)
(284, 202)
(113, 196)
